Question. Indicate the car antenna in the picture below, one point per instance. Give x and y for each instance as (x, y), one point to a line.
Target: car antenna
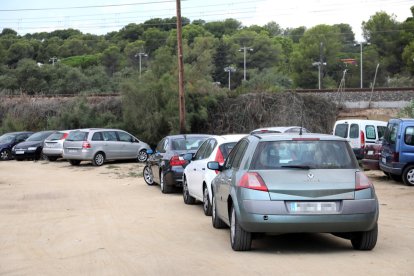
(301, 123)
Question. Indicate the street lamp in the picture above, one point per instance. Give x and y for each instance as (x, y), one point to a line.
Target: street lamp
(360, 47)
(319, 64)
(229, 69)
(245, 49)
(140, 54)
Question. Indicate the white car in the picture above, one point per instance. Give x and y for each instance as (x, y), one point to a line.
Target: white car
(197, 178)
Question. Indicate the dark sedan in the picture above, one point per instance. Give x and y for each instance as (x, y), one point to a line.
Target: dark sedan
(9, 140)
(32, 147)
(165, 166)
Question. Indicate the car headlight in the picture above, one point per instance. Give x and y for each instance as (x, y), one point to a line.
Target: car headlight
(32, 148)
(13, 148)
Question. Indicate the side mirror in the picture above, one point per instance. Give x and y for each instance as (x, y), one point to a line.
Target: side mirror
(215, 166)
(150, 151)
(188, 156)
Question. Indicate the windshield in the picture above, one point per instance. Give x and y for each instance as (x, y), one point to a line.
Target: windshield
(6, 138)
(39, 136)
(315, 154)
(187, 143)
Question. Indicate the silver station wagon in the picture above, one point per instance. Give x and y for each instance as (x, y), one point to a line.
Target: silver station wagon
(291, 183)
(99, 145)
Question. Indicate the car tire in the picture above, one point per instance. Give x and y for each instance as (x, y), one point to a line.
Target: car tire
(186, 195)
(165, 189)
(408, 175)
(5, 154)
(395, 177)
(365, 240)
(74, 162)
(142, 156)
(215, 220)
(206, 202)
(148, 177)
(98, 159)
(240, 239)
(51, 158)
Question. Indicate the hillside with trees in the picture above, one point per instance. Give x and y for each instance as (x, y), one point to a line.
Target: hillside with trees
(139, 62)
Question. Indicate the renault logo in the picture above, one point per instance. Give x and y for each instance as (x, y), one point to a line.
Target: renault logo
(310, 175)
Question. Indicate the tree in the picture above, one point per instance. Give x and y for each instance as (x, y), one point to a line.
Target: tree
(8, 31)
(154, 38)
(273, 28)
(221, 28)
(18, 51)
(131, 51)
(111, 58)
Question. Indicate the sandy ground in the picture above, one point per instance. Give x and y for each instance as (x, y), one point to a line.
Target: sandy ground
(56, 219)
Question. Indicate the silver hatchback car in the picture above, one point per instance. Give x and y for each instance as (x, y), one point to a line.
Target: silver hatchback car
(99, 145)
(287, 183)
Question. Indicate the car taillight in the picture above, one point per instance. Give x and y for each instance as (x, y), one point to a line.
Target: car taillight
(219, 158)
(362, 181)
(362, 135)
(64, 136)
(395, 157)
(86, 145)
(253, 180)
(177, 161)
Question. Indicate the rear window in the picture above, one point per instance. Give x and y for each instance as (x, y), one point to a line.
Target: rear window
(341, 130)
(354, 131)
(408, 136)
(370, 132)
(188, 143)
(77, 136)
(306, 154)
(56, 136)
(226, 148)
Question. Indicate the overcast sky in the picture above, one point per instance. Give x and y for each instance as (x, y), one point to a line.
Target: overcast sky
(102, 16)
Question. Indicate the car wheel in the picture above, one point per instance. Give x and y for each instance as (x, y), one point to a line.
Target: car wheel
(165, 189)
(408, 176)
(186, 195)
(365, 240)
(74, 162)
(98, 159)
(395, 177)
(206, 202)
(5, 154)
(142, 156)
(52, 158)
(240, 240)
(148, 177)
(216, 221)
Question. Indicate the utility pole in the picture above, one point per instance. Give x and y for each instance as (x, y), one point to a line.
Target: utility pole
(360, 47)
(319, 64)
(53, 60)
(181, 96)
(244, 49)
(229, 69)
(140, 54)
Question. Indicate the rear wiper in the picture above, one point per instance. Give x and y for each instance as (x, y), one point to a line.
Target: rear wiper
(303, 167)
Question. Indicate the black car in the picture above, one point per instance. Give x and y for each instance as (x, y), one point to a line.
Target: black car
(32, 147)
(165, 166)
(9, 140)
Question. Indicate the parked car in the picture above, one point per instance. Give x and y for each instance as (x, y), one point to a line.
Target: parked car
(165, 166)
(32, 147)
(278, 183)
(53, 145)
(282, 129)
(360, 133)
(397, 154)
(100, 144)
(196, 177)
(372, 154)
(9, 140)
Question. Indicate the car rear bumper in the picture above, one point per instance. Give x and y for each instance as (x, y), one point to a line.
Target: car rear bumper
(393, 168)
(370, 164)
(274, 217)
(85, 155)
(52, 152)
(174, 177)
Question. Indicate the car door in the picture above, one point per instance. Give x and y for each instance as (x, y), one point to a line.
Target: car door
(226, 178)
(111, 145)
(128, 146)
(389, 144)
(192, 174)
(155, 159)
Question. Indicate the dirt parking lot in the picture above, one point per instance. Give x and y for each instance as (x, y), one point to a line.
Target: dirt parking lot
(56, 219)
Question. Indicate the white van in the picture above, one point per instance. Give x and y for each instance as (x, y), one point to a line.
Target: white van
(359, 133)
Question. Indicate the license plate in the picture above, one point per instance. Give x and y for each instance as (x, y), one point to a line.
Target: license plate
(313, 207)
(72, 151)
(370, 152)
(383, 160)
(19, 151)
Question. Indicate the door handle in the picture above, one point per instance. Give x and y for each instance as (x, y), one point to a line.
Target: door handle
(194, 169)
(203, 169)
